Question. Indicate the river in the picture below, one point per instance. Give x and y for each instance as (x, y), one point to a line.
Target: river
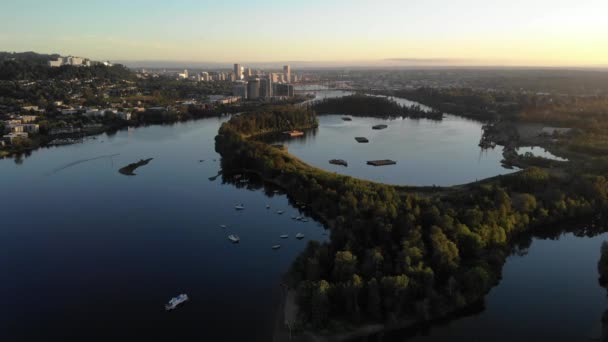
(89, 254)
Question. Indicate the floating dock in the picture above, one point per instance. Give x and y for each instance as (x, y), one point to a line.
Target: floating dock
(361, 140)
(382, 162)
(338, 162)
(380, 127)
(294, 133)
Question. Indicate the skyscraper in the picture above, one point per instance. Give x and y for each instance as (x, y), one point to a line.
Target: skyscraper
(238, 75)
(265, 88)
(240, 89)
(287, 73)
(253, 89)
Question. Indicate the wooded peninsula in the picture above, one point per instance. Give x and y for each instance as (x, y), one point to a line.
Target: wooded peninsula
(403, 254)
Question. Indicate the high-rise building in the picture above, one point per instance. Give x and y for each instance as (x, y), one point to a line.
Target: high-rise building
(283, 90)
(253, 89)
(265, 88)
(240, 89)
(238, 74)
(248, 72)
(287, 73)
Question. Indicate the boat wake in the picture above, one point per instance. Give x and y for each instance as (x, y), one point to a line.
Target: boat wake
(80, 162)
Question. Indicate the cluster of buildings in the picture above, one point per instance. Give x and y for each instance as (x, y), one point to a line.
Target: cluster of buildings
(75, 61)
(205, 76)
(266, 86)
(19, 127)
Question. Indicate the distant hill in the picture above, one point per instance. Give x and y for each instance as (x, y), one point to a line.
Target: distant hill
(34, 66)
(28, 56)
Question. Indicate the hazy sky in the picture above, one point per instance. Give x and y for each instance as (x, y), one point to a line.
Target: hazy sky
(505, 32)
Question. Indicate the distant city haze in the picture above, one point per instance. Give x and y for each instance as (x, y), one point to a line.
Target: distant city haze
(314, 32)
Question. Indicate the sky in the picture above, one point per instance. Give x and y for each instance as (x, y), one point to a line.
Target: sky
(450, 32)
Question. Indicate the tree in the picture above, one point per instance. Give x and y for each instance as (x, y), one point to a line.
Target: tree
(320, 304)
(445, 252)
(345, 266)
(374, 300)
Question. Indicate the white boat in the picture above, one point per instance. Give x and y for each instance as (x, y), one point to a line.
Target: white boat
(239, 207)
(280, 212)
(175, 301)
(284, 236)
(267, 206)
(276, 246)
(299, 218)
(304, 220)
(234, 238)
(223, 226)
(299, 236)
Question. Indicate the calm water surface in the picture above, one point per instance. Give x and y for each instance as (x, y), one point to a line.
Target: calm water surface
(89, 254)
(427, 152)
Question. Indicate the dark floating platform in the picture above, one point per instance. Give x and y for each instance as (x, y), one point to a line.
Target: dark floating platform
(346, 118)
(383, 162)
(338, 162)
(361, 139)
(130, 169)
(380, 127)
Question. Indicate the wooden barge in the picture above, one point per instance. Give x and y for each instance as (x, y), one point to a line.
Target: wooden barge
(382, 162)
(294, 133)
(338, 162)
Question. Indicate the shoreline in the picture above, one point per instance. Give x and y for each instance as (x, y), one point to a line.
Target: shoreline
(43, 141)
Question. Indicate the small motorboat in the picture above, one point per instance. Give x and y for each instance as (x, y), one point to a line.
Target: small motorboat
(299, 236)
(280, 212)
(267, 206)
(276, 246)
(304, 220)
(175, 301)
(223, 226)
(239, 207)
(299, 218)
(284, 236)
(294, 218)
(234, 238)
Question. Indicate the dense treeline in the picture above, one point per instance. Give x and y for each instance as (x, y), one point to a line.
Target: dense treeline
(270, 119)
(483, 106)
(376, 106)
(396, 255)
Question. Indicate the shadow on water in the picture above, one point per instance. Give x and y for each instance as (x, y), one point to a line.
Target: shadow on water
(244, 179)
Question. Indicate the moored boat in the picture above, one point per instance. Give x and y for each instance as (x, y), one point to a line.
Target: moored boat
(234, 238)
(299, 236)
(175, 301)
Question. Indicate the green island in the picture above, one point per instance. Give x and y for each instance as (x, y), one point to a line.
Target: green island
(400, 255)
(129, 170)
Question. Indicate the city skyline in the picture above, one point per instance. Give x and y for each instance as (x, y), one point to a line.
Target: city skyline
(388, 33)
